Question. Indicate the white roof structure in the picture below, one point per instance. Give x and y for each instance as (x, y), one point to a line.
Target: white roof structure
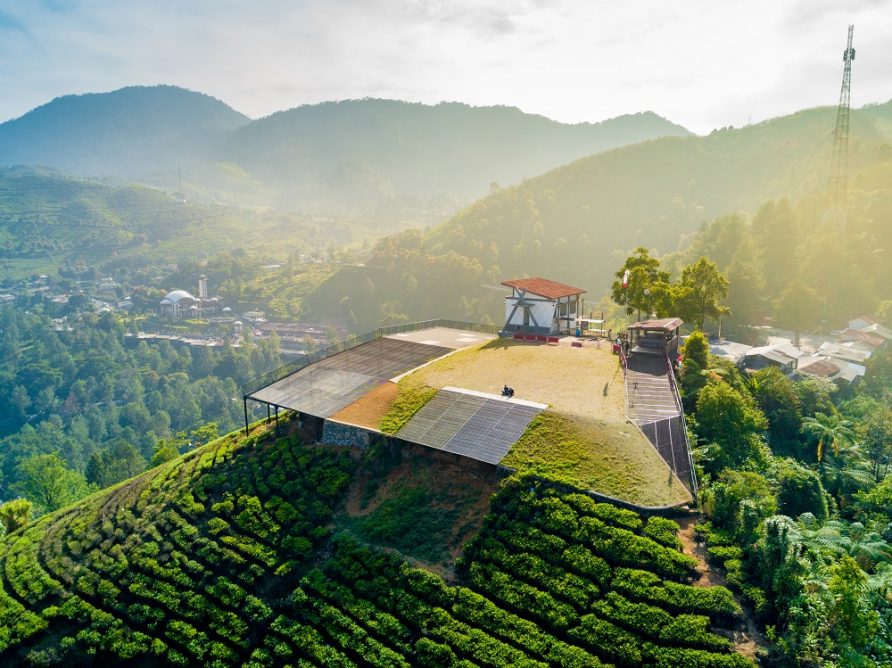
(176, 296)
(729, 350)
(844, 351)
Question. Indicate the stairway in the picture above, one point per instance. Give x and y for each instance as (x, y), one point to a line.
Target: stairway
(654, 407)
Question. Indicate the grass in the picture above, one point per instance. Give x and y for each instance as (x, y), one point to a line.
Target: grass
(614, 459)
(585, 382)
(413, 395)
(416, 502)
(409, 521)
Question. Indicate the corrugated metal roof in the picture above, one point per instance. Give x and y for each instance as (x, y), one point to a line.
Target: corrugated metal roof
(666, 324)
(822, 368)
(543, 287)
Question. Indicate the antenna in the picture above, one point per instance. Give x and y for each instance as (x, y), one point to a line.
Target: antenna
(839, 160)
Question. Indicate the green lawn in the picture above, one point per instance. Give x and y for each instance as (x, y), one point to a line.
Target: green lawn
(607, 457)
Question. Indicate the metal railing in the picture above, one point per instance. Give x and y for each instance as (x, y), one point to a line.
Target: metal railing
(294, 366)
(684, 428)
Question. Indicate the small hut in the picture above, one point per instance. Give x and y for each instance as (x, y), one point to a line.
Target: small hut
(655, 337)
(540, 306)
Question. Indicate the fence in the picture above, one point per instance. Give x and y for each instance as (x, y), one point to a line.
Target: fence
(352, 342)
(684, 431)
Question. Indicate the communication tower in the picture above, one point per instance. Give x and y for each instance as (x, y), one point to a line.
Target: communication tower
(839, 160)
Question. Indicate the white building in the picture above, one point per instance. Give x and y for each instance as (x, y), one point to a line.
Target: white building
(179, 303)
(539, 306)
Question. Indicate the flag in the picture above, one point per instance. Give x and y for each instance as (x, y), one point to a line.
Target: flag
(626, 279)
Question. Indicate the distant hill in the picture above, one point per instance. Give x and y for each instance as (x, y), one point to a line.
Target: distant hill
(125, 133)
(576, 223)
(49, 219)
(361, 157)
(372, 153)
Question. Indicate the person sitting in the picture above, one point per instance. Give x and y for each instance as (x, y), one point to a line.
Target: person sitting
(510, 392)
(506, 391)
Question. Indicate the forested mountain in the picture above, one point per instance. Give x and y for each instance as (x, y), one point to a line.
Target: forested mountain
(367, 153)
(125, 133)
(577, 222)
(368, 157)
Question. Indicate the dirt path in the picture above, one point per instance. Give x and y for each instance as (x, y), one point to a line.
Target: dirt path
(746, 636)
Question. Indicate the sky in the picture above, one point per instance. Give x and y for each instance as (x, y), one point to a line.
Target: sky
(701, 63)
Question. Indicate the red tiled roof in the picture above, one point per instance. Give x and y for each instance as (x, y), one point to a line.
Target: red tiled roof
(543, 287)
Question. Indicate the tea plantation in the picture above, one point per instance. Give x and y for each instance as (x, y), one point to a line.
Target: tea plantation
(228, 556)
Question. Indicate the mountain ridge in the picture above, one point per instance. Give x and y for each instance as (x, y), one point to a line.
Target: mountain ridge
(364, 157)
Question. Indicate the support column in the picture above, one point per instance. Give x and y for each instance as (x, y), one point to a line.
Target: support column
(245, 404)
(277, 421)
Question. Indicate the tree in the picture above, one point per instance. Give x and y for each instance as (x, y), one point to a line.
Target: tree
(799, 490)
(853, 621)
(828, 430)
(700, 291)
(15, 514)
(696, 361)
(732, 422)
(724, 502)
(45, 480)
(119, 462)
(166, 449)
(745, 291)
(797, 307)
(876, 432)
(644, 283)
(775, 394)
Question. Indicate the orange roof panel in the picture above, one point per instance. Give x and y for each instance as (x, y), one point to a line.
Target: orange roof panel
(543, 287)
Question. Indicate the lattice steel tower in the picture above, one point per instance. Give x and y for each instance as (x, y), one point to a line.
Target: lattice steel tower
(839, 160)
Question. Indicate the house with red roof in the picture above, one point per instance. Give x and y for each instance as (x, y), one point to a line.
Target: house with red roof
(541, 306)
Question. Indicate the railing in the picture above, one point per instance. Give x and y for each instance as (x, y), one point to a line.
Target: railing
(684, 428)
(352, 342)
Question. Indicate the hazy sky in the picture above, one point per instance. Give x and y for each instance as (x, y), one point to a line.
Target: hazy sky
(701, 63)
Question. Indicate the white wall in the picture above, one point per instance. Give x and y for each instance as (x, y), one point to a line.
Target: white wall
(542, 311)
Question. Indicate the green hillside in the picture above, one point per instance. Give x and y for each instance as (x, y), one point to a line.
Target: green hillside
(49, 219)
(578, 222)
(229, 555)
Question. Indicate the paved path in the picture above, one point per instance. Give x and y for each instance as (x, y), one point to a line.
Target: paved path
(648, 390)
(653, 407)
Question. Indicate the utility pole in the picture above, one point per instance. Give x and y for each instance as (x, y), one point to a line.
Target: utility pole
(839, 160)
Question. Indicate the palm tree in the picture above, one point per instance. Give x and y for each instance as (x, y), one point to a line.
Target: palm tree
(833, 430)
(836, 538)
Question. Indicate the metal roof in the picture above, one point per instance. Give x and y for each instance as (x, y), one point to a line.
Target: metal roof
(822, 368)
(663, 324)
(543, 287)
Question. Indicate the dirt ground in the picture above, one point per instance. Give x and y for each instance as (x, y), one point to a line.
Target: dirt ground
(747, 637)
(368, 410)
(583, 382)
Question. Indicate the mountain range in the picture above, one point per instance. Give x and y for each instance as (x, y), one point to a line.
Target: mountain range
(365, 157)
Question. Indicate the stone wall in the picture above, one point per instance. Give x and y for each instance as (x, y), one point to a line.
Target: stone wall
(334, 433)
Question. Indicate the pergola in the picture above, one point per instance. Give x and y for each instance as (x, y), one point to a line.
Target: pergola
(655, 337)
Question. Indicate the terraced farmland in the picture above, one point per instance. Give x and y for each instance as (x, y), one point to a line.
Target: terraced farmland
(228, 556)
